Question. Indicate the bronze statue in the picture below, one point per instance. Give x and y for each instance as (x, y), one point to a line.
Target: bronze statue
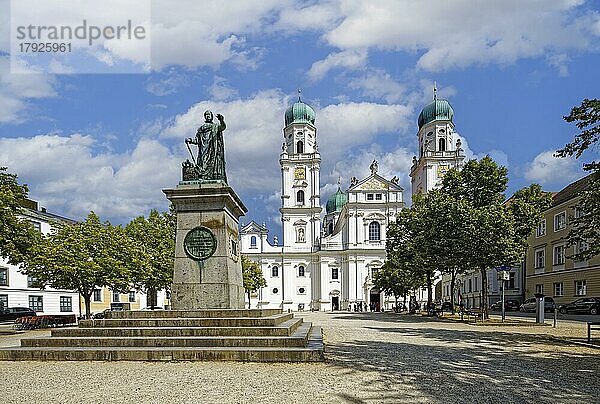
(210, 163)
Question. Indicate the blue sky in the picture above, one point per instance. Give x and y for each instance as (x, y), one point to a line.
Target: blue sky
(111, 142)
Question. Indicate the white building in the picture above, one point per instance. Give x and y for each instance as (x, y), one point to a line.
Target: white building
(18, 290)
(323, 263)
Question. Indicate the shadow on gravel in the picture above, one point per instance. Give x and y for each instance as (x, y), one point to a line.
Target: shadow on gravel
(464, 366)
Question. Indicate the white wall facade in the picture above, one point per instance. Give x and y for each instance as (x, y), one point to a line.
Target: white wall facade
(16, 291)
(331, 267)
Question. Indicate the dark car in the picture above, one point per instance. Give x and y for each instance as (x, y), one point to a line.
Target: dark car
(589, 305)
(446, 306)
(509, 305)
(13, 313)
(528, 305)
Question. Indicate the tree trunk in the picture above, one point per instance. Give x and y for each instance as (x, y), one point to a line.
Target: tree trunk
(429, 291)
(248, 299)
(452, 285)
(484, 294)
(87, 298)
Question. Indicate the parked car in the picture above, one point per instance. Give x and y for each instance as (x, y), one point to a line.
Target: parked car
(528, 305)
(446, 306)
(589, 305)
(13, 313)
(509, 305)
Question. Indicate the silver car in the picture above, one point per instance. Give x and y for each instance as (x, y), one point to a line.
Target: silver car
(528, 305)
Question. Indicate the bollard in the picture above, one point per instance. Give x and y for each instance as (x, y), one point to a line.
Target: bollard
(539, 308)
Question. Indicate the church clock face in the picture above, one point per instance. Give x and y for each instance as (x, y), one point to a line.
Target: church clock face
(441, 170)
(300, 173)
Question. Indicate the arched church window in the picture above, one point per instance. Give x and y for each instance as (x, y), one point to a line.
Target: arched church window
(300, 197)
(253, 242)
(442, 144)
(299, 147)
(274, 271)
(301, 270)
(374, 231)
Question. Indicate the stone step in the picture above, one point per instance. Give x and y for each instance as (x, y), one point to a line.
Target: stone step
(311, 353)
(216, 313)
(298, 339)
(269, 321)
(286, 328)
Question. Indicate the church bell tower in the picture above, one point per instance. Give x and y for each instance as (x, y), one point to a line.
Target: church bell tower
(439, 147)
(300, 168)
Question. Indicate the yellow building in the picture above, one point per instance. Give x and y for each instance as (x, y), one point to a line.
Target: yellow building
(549, 269)
(133, 300)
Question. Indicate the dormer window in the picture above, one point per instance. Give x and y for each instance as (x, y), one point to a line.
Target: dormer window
(299, 147)
(253, 242)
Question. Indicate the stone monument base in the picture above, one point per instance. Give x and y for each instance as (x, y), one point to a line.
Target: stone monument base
(214, 282)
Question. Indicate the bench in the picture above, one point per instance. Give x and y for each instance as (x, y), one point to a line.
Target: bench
(474, 312)
(590, 326)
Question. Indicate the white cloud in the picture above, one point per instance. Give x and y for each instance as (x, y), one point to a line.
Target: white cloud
(378, 84)
(170, 83)
(549, 170)
(461, 33)
(17, 89)
(220, 90)
(343, 126)
(353, 59)
(67, 175)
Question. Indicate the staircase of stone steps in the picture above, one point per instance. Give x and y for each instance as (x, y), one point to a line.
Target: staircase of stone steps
(266, 335)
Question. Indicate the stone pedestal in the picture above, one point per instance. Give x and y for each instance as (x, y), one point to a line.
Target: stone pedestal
(216, 282)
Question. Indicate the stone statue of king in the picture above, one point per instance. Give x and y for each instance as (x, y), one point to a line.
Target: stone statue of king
(210, 163)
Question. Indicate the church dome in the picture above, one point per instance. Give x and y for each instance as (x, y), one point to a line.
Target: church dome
(300, 112)
(436, 109)
(336, 201)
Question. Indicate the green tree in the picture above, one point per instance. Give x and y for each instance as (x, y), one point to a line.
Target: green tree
(448, 226)
(396, 279)
(155, 238)
(16, 236)
(253, 277)
(585, 230)
(403, 246)
(84, 256)
(490, 240)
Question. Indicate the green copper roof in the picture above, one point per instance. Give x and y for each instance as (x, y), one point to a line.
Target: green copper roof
(336, 202)
(299, 113)
(436, 109)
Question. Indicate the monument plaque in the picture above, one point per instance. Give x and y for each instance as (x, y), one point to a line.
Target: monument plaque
(200, 243)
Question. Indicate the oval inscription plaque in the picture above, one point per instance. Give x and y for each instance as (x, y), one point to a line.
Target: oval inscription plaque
(200, 243)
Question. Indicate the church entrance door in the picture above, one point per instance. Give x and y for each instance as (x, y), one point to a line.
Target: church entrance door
(374, 300)
(335, 303)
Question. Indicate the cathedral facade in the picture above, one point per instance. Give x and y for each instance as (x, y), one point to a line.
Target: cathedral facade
(326, 260)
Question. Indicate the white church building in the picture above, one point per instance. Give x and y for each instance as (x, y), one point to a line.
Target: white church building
(324, 262)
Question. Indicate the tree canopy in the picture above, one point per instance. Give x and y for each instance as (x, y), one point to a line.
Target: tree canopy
(253, 277)
(16, 235)
(84, 256)
(585, 230)
(155, 239)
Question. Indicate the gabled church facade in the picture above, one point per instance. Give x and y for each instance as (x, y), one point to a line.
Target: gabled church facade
(323, 263)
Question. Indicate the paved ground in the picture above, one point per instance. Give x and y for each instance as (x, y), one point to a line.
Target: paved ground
(371, 357)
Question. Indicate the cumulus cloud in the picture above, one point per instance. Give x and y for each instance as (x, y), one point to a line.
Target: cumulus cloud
(353, 59)
(17, 90)
(67, 174)
(378, 84)
(461, 33)
(549, 170)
